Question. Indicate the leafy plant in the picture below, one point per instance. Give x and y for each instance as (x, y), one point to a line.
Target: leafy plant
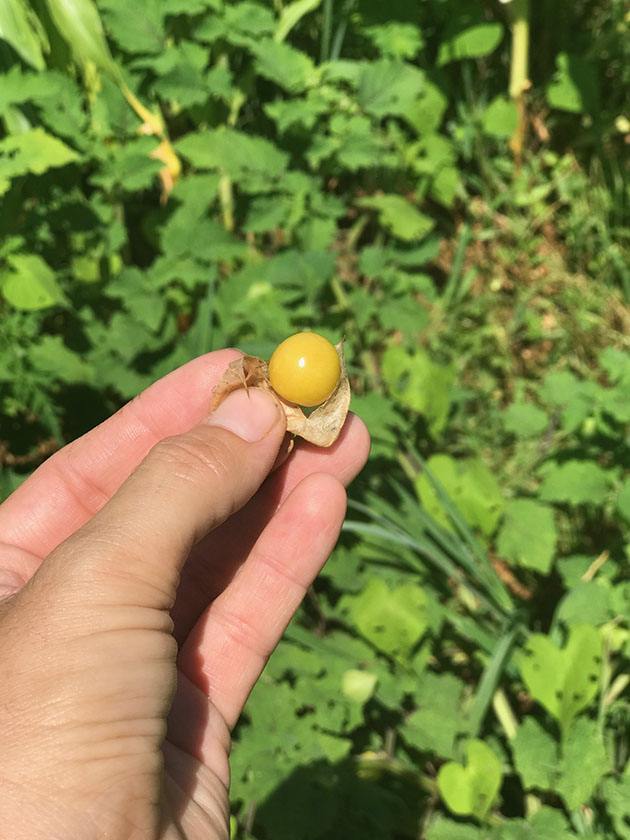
(189, 174)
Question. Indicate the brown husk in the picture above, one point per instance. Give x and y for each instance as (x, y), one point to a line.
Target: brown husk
(321, 427)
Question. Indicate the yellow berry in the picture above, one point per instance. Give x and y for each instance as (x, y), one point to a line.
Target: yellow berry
(304, 369)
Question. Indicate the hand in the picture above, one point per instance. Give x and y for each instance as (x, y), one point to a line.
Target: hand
(147, 571)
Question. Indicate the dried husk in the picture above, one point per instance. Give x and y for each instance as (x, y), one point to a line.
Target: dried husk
(321, 427)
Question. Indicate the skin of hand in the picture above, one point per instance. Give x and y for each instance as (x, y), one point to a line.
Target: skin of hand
(147, 571)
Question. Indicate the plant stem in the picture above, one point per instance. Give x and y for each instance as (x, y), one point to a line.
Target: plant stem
(324, 53)
(519, 72)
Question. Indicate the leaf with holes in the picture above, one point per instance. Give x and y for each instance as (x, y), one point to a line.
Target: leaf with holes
(563, 680)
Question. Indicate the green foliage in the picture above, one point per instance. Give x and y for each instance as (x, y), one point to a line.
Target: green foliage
(528, 535)
(346, 167)
(564, 680)
(471, 789)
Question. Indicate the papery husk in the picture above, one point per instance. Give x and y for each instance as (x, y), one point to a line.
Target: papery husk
(321, 427)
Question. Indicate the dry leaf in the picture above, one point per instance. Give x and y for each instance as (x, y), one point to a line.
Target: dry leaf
(321, 427)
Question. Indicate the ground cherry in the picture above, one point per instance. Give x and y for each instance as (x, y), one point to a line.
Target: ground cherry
(304, 369)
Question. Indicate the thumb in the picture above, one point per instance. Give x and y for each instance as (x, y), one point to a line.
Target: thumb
(186, 486)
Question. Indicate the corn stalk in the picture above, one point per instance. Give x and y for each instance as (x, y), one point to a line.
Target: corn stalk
(79, 23)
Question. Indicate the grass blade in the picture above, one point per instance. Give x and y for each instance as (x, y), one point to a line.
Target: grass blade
(489, 681)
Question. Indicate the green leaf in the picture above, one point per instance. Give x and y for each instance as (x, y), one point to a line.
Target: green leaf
(389, 87)
(525, 420)
(392, 620)
(137, 27)
(500, 117)
(563, 680)
(473, 788)
(289, 68)
(19, 27)
(535, 755)
(242, 156)
(588, 602)
(35, 152)
(616, 794)
(471, 42)
(51, 356)
(30, 283)
(471, 487)
(292, 14)
(434, 725)
(575, 483)
(545, 824)
(583, 763)
(399, 216)
(417, 382)
(358, 686)
(574, 86)
(396, 40)
(80, 24)
(527, 535)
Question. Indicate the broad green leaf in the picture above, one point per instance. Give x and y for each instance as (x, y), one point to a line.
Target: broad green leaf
(20, 28)
(472, 42)
(563, 680)
(574, 86)
(289, 68)
(588, 602)
(396, 40)
(389, 87)
(583, 763)
(525, 420)
(500, 117)
(30, 283)
(575, 483)
(527, 536)
(79, 22)
(292, 14)
(419, 383)
(471, 487)
(392, 620)
(240, 155)
(535, 755)
(358, 685)
(51, 356)
(545, 824)
(574, 769)
(434, 725)
(471, 789)
(356, 144)
(400, 217)
(137, 27)
(35, 152)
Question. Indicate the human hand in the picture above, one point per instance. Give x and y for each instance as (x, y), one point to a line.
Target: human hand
(147, 571)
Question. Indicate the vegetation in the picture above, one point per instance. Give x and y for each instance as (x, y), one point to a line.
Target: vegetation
(442, 185)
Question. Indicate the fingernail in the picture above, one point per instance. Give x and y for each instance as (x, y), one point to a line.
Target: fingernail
(249, 414)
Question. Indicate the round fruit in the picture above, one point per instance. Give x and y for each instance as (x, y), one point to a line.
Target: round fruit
(304, 369)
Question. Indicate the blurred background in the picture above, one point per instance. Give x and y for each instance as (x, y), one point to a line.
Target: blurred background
(442, 185)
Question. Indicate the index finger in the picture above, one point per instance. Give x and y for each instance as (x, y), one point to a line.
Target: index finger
(74, 483)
